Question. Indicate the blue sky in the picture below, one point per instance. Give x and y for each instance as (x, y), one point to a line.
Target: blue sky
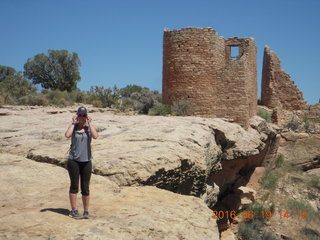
(120, 42)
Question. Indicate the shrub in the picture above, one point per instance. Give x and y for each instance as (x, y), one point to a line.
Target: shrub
(250, 230)
(35, 100)
(309, 124)
(15, 86)
(298, 207)
(292, 124)
(145, 100)
(182, 108)
(270, 179)
(265, 196)
(102, 97)
(311, 234)
(160, 109)
(314, 182)
(253, 228)
(268, 236)
(57, 97)
(97, 103)
(24, 100)
(1, 101)
(265, 115)
(129, 89)
(125, 104)
(258, 208)
(75, 96)
(257, 211)
(279, 161)
(291, 167)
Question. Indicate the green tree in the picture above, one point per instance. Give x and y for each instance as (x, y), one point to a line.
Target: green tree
(129, 89)
(15, 86)
(59, 69)
(5, 72)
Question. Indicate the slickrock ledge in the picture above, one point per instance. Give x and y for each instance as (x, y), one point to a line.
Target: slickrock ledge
(174, 153)
(186, 155)
(34, 204)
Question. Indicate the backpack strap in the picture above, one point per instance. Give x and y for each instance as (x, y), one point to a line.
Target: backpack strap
(72, 136)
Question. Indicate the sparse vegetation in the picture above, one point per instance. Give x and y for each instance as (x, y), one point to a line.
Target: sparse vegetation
(254, 230)
(306, 122)
(250, 230)
(160, 109)
(265, 196)
(13, 86)
(102, 97)
(59, 88)
(298, 207)
(270, 179)
(129, 89)
(265, 115)
(1, 100)
(125, 104)
(293, 124)
(34, 100)
(309, 124)
(311, 234)
(279, 161)
(257, 208)
(145, 100)
(314, 182)
(182, 108)
(291, 167)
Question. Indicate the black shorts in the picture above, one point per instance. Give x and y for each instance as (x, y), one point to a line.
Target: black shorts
(82, 170)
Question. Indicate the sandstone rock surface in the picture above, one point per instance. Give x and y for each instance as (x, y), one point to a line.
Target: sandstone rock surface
(179, 154)
(34, 205)
(174, 153)
(301, 149)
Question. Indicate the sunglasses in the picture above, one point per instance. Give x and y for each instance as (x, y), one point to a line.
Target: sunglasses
(82, 115)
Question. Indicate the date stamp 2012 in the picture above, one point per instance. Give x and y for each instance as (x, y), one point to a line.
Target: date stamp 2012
(258, 214)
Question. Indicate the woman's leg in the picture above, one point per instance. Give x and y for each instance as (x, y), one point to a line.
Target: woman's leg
(85, 175)
(73, 170)
(85, 201)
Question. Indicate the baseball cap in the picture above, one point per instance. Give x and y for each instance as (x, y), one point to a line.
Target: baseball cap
(82, 111)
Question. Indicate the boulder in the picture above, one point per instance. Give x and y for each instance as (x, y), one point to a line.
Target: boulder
(301, 149)
(228, 235)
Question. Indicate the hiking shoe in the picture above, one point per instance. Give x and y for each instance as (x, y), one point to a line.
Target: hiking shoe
(86, 214)
(75, 214)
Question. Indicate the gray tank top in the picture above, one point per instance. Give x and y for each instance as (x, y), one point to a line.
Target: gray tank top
(80, 149)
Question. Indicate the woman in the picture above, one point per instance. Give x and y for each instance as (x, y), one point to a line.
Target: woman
(79, 160)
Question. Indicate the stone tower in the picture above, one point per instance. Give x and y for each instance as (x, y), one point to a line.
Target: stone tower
(201, 68)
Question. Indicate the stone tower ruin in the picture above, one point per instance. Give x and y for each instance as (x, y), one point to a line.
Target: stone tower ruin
(201, 68)
(278, 91)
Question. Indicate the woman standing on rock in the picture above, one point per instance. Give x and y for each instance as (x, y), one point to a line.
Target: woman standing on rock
(81, 132)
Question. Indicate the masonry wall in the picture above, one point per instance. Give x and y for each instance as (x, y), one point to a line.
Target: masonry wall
(314, 113)
(197, 67)
(191, 58)
(278, 91)
(237, 82)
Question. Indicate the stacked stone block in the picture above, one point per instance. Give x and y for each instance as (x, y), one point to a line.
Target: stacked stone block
(278, 91)
(198, 68)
